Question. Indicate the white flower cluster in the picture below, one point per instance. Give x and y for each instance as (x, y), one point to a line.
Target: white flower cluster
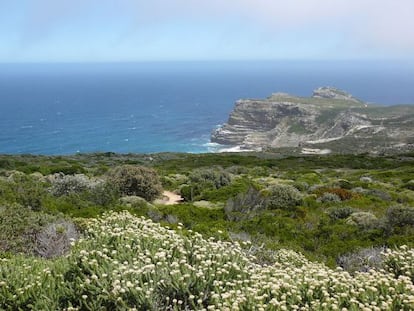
(400, 262)
(130, 263)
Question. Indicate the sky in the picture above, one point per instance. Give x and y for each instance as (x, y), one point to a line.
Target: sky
(180, 30)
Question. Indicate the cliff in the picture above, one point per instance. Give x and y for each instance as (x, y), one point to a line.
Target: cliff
(330, 120)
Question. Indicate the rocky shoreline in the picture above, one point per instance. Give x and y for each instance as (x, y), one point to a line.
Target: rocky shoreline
(331, 119)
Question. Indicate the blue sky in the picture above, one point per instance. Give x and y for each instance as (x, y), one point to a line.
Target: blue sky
(158, 30)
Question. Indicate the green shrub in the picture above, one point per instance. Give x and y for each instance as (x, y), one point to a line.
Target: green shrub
(245, 205)
(343, 194)
(19, 227)
(217, 177)
(329, 197)
(66, 184)
(204, 179)
(398, 216)
(364, 220)
(282, 196)
(136, 180)
(24, 190)
(102, 193)
(341, 212)
(344, 184)
(409, 185)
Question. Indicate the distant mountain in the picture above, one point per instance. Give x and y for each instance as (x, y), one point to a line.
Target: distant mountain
(331, 120)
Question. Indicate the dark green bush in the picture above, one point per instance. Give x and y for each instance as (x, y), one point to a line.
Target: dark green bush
(204, 179)
(24, 190)
(136, 180)
(398, 216)
(19, 227)
(341, 212)
(217, 177)
(102, 193)
(282, 197)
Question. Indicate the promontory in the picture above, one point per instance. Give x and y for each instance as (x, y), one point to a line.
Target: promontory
(331, 120)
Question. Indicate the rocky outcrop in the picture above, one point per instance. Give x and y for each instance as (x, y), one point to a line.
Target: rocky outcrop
(325, 120)
(333, 93)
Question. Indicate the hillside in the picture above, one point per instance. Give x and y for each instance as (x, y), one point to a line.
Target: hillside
(256, 230)
(329, 121)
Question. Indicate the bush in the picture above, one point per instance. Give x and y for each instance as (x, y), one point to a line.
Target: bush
(136, 180)
(217, 178)
(362, 260)
(204, 179)
(409, 185)
(336, 213)
(19, 227)
(102, 193)
(343, 194)
(344, 184)
(66, 184)
(55, 238)
(245, 205)
(364, 220)
(329, 197)
(282, 196)
(24, 190)
(398, 216)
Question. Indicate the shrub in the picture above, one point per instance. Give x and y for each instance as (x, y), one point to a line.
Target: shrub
(134, 202)
(366, 179)
(342, 212)
(400, 216)
(136, 180)
(282, 196)
(301, 185)
(203, 179)
(55, 238)
(245, 205)
(364, 220)
(343, 194)
(66, 184)
(217, 178)
(329, 197)
(24, 190)
(19, 227)
(409, 185)
(344, 184)
(102, 193)
(400, 262)
(362, 260)
(384, 196)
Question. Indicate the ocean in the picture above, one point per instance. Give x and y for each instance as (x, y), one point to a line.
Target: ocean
(164, 106)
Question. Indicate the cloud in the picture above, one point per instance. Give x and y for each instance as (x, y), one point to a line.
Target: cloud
(366, 27)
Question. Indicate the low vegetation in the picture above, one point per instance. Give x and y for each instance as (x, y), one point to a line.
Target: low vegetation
(255, 231)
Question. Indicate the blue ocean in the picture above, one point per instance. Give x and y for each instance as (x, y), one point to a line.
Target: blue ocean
(163, 106)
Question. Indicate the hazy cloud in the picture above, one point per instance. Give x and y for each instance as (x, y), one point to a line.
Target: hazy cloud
(320, 27)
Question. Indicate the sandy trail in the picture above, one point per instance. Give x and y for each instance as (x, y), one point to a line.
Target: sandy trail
(170, 198)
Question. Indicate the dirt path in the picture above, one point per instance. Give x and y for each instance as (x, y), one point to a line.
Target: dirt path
(170, 198)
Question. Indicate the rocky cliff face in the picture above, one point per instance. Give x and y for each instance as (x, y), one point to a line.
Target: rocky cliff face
(329, 120)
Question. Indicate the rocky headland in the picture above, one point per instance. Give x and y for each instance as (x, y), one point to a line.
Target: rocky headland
(331, 120)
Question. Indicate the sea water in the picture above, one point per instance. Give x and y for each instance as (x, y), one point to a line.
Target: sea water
(163, 106)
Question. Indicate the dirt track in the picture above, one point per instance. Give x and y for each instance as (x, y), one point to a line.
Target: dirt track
(171, 198)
